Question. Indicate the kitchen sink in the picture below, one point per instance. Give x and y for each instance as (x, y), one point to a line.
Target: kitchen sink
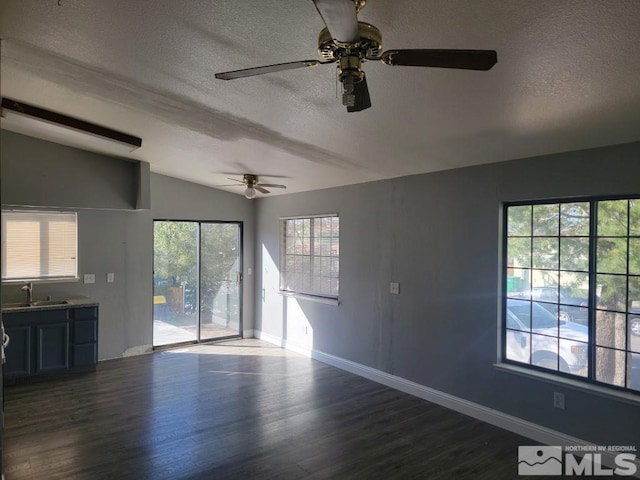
(15, 305)
(37, 303)
(41, 303)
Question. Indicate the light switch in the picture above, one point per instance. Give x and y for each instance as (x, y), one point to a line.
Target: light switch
(395, 288)
(558, 400)
(110, 277)
(89, 278)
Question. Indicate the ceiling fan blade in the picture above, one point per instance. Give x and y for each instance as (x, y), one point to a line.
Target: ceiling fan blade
(234, 185)
(278, 67)
(341, 19)
(272, 185)
(464, 59)
(260, 189)
(361, 92)
(235, 180)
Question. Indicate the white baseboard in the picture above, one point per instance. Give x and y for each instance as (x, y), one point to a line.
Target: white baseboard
(541, 434)
(269, 338)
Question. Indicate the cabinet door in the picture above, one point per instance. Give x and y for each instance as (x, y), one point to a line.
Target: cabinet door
(85, 331)
(85, 355)
(18, 352)
(52, 347)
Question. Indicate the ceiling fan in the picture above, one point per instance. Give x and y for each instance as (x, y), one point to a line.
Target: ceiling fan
(349, 42)
(252, 183)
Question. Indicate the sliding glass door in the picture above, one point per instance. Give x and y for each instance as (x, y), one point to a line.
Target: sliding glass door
(175, 282)
(220, 279)
(197, 281)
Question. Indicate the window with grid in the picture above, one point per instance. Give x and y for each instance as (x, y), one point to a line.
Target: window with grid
(39, 245)
(572, 289)
(310, 255)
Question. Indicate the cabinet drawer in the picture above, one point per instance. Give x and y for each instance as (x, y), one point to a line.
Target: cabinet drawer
(84, 313)
(85, 331)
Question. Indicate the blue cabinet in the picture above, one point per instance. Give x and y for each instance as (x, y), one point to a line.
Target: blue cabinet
(19, 352)
(51, 341)
(52, 352)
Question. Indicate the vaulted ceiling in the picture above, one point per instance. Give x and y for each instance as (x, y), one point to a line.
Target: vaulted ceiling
(567, 78)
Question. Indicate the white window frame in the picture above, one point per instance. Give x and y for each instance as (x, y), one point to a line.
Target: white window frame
(67, 265)
(310, 277)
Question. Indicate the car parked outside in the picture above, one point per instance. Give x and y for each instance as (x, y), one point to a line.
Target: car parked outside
(535, 336)
(634, 322)
(559, 302)
(634, 326)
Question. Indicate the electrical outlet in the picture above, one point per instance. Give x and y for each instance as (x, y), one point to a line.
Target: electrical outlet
(395, 288)
(558, 400)
(89, 278)
(110, 277)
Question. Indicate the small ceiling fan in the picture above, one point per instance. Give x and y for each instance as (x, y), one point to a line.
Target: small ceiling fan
(349, 42)
(252, 183)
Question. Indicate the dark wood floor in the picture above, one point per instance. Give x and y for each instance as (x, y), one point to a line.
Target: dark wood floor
(240, 410)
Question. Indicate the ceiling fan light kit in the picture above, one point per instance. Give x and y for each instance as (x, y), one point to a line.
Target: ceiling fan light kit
(250, 193)
(349, 43)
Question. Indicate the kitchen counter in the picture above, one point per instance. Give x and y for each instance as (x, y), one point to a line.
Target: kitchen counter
(49, 305)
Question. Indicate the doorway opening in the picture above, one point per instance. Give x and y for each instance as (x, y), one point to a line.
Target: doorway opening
(197, 281)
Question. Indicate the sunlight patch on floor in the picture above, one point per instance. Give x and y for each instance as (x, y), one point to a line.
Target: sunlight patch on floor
(244, 346)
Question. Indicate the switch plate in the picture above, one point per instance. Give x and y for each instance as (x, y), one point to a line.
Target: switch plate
(110, 277)
(395, 288)
(89, 278)
(249, 271)
(558, 400)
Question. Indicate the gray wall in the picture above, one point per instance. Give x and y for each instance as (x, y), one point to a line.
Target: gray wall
(439, 236)
(118, 241)
(37, 173)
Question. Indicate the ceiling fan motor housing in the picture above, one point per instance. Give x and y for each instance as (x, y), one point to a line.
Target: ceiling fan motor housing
(249, 180)
(369, 45)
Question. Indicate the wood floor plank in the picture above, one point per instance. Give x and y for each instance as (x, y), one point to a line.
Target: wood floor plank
(239, 410)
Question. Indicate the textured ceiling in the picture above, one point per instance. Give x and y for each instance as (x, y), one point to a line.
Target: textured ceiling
(567, 78)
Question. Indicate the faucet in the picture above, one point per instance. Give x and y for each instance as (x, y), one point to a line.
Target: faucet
(28, 287)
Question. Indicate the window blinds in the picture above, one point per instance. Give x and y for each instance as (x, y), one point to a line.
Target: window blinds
(39, 245)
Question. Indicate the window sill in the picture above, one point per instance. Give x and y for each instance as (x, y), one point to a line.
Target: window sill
(583, 387)
(42, 280)
(311, 298)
